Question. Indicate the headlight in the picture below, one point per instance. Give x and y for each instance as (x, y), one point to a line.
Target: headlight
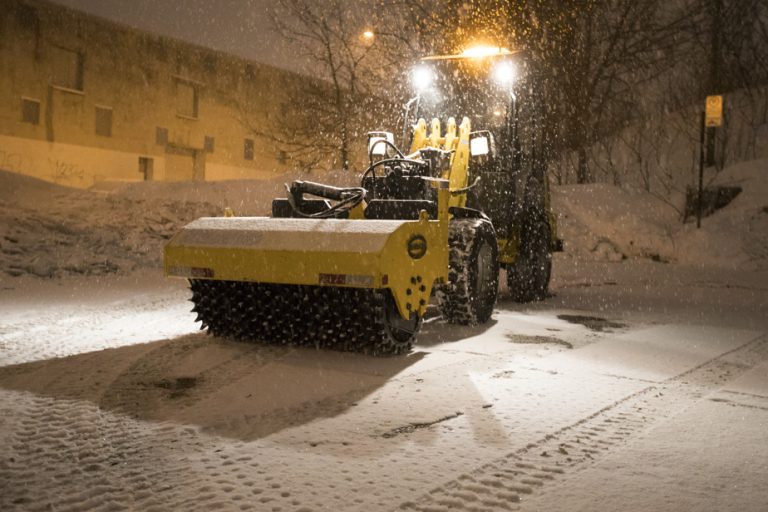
(504, 73)
(422, 78)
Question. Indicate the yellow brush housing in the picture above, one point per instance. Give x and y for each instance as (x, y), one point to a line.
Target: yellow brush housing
(408, 257)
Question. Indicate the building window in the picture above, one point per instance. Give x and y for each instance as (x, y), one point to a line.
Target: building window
(209, 144)
(147, 168)
(248, 149)
(161, 136)
(282, 157)
(250, 72)
(186, 99)
(27, 17)
(209, 62)
(104, 121)
(67, 68)
(30, 111)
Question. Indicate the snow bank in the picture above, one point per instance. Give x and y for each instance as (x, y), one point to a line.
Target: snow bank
(245, 197)
(737, 235)
(605, 222)
(48, 230)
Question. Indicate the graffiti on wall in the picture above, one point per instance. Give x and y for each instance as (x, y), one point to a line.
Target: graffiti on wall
(14, 162)
(66, 172)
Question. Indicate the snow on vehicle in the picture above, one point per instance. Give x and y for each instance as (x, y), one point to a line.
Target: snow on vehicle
(355, 268)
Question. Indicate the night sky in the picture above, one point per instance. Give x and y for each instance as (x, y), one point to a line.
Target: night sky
(239, 27)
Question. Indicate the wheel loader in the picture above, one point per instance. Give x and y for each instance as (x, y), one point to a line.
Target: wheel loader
(356, 268)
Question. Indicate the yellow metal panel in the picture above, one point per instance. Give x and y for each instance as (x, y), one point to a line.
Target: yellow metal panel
(410, 279)
(419, 136)
(434, 133)
(508, 249)
(361, 254)
(284, 267)
(450, 135)
(460, 164)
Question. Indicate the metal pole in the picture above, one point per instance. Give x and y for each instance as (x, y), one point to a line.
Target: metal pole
(415, 99)
(701, 170)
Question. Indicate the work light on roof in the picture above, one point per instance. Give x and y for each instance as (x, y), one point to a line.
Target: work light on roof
(422, 77)
(504, 73)
(485, 51)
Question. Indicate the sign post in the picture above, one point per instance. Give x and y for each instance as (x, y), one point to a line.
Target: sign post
(703, 130)
(712, 117)
(714, 111)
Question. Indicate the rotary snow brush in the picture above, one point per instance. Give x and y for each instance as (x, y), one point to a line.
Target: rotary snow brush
(314, 279)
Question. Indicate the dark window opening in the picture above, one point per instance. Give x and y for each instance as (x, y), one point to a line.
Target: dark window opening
(186, 99)
(250, 72)
(30, 111)
(67, 68)
(209, 144)
(104, 121)
(147, 168)
(282, 157)
(248, 149)
(209, 62)
(28, 18)
(161, 136)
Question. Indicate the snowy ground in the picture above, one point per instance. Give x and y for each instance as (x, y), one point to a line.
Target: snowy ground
(638, 385)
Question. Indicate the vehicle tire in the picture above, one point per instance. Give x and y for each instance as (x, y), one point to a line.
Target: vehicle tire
(528, 277)
(473, 277)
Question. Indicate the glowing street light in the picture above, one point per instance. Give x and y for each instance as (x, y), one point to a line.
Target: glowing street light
(368, 35)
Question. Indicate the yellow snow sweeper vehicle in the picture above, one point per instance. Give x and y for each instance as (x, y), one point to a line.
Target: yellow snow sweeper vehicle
(355, 268)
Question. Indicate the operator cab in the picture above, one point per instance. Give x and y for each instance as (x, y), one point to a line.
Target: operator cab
(491, 86)
(478, 83)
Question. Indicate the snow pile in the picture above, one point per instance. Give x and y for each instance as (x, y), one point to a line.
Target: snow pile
(604, 222)
(48, 230)
(737, 235)
(245, 197)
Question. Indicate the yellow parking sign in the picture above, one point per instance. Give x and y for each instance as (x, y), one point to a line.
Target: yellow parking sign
(714, 111)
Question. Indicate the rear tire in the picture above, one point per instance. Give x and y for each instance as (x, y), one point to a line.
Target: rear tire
(528, 277)
(473, 278)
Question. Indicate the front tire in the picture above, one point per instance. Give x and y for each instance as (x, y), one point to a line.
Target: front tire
(473, 278)
(528, 277)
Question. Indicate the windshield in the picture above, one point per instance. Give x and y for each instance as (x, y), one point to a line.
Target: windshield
(481, 89)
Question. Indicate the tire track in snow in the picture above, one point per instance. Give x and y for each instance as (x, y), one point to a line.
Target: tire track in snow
(71, 455)
(504, 484)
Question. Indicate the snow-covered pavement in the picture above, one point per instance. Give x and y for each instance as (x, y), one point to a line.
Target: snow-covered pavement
(637, 386)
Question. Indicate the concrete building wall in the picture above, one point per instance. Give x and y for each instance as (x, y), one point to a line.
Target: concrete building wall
(83, 100)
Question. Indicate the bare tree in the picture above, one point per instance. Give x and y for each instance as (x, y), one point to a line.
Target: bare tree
(592, 56)
(331, 109)
(729, 43)
(587, 57)
(599, 66)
